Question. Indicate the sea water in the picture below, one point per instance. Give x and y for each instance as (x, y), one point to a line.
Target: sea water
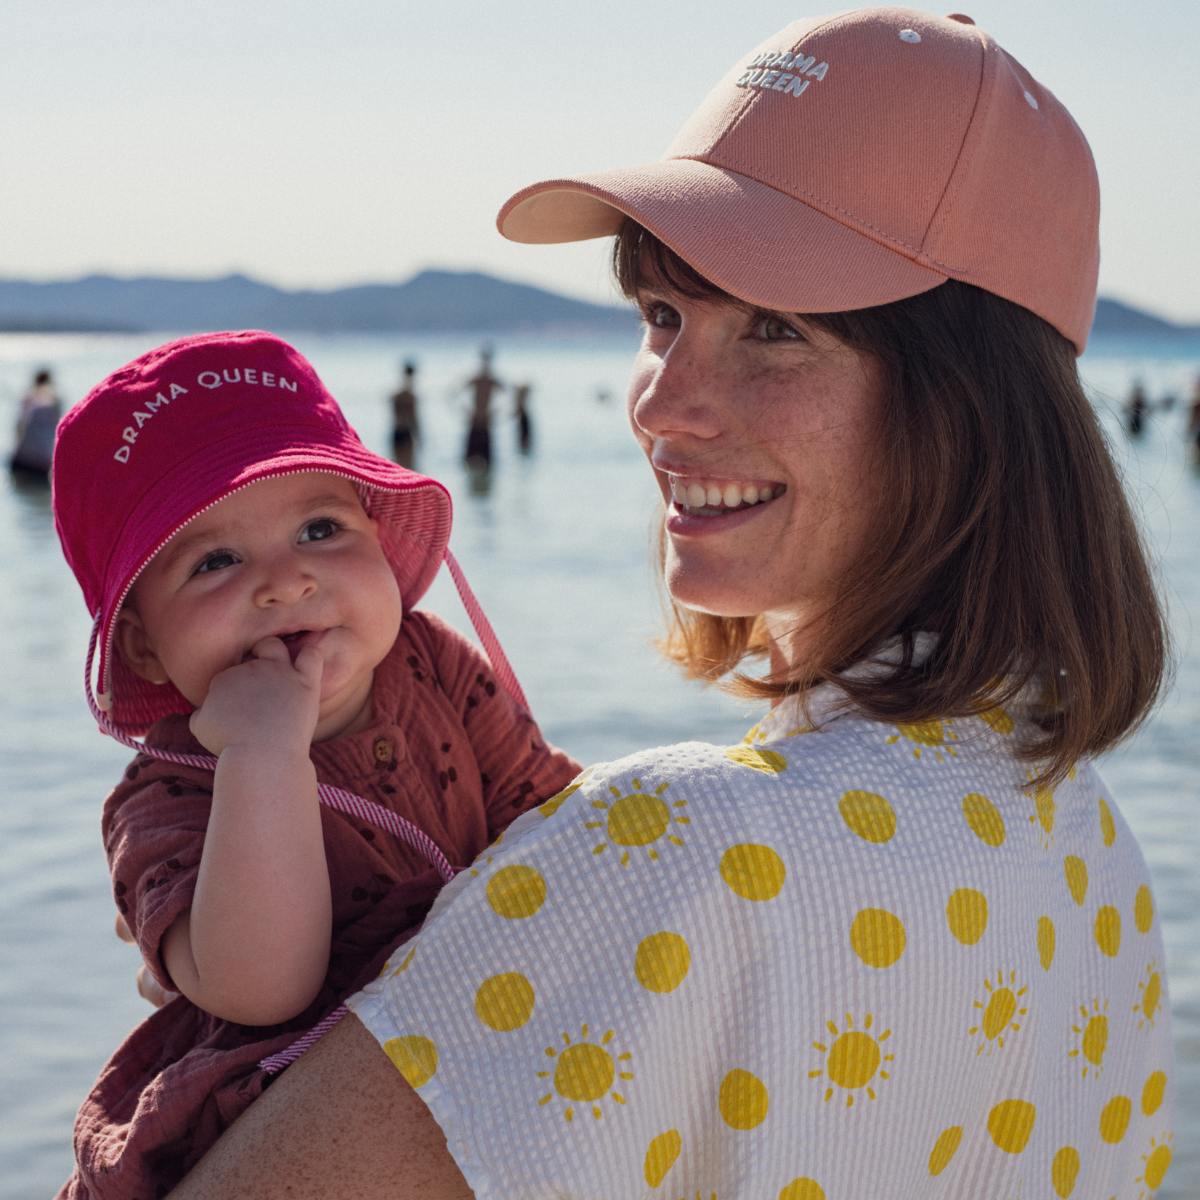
(558, 547)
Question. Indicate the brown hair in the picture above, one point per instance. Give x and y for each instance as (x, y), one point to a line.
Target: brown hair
(1006, 531)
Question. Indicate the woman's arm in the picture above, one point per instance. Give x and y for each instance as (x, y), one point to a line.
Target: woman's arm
(341, 1122)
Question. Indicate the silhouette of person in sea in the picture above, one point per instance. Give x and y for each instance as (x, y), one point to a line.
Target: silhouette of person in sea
(1136, 409)
(1193, 426)
(37, 419)
(523, 418)
(483, 385)
(406, 424)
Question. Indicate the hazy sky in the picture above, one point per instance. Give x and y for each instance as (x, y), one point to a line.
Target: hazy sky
(326, 143)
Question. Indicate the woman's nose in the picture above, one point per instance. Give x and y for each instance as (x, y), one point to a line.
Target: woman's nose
(676, 394)
(285, 580)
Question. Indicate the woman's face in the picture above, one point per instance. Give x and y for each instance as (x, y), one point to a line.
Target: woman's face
(762, 434)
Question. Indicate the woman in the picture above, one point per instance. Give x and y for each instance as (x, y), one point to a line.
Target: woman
(899, 942)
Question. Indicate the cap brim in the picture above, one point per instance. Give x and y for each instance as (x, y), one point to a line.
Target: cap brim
(755, 242)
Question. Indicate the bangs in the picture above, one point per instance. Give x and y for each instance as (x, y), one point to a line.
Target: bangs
(641, 263)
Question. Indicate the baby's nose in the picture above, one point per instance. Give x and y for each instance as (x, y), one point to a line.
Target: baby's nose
(285, 581)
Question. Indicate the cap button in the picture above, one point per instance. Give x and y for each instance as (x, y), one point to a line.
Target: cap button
(961, 18)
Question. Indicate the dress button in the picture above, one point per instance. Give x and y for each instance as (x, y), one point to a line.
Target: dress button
(383, 750)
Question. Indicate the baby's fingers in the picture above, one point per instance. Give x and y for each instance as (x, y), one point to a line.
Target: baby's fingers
(310, 662)
(270, 649)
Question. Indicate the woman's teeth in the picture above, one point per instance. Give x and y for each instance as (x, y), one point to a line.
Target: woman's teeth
(704, 498)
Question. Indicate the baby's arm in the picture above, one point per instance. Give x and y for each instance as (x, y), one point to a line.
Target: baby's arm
(254, 946)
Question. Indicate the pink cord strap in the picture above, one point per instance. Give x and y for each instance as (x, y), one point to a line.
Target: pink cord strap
(390, 822)
(274, 1063)
(491, 643)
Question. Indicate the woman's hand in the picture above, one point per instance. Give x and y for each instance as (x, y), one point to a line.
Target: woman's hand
(148, 987)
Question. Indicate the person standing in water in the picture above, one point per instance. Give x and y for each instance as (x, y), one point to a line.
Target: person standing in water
(522, 416)
(1136, 409)
(37, 420)
(406, 425)
(483, 385)
(1193, 428)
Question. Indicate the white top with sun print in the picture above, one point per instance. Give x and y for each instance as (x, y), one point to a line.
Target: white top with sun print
(864, 963)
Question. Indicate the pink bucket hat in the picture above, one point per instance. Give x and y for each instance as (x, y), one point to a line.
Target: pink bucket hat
(857, 159)
(173, 432)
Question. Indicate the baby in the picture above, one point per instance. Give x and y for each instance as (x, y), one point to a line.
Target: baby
(318, 758)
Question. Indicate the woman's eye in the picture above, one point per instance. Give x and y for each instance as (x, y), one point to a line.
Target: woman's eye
(318, 531)
(771, 328)
(218, 560)
(658, 315)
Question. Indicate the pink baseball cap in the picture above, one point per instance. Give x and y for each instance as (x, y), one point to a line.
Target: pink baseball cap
(167, 436)
(856, 159)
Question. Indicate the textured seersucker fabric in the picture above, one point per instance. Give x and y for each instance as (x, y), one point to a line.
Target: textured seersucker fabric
(861, 962)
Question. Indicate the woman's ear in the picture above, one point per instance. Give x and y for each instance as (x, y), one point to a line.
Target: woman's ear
(134, 647)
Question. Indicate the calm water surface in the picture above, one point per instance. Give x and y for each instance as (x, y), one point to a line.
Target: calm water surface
(558, 551)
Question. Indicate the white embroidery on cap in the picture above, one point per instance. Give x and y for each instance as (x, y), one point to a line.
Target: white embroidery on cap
(911, 36)
(782, 71)
(1031, 100)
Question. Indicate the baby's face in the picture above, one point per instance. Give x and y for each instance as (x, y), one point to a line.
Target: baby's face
(294, 557)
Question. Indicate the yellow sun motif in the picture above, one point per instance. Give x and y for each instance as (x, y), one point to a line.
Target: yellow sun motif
(802, 1189)
(637, 818)
(755, 735)
(999, 720)
(585, 1073)
(1108, 826)
(660, 1156)
(1064, 1170)
(555, 802)
(1114, 1119)
(1045, 942)
(931, 738)
(1093, 1038)
(1044, 812)
(415, 1057)
(405, 963)
(853, 1059)
(1152, 1092)
(1010, 1124)
(1000, 1006)
(1149, 997)
(1143, 909)
(944, 1149)
(768, 762)
(516, 892)
(1155, 1163)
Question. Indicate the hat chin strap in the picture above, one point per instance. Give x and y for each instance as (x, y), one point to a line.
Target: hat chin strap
(487, 636)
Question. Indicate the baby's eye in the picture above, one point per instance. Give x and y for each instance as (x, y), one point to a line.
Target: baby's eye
(217, 560)
(770, 327)
(319, 530)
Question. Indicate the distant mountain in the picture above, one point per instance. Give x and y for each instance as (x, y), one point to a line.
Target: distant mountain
(1114, 317)
(429, 302)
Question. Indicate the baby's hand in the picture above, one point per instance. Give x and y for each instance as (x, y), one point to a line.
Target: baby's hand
(267, 700)
(148, 987)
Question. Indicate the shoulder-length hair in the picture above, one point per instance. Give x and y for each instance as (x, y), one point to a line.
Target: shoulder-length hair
(1005, 530)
